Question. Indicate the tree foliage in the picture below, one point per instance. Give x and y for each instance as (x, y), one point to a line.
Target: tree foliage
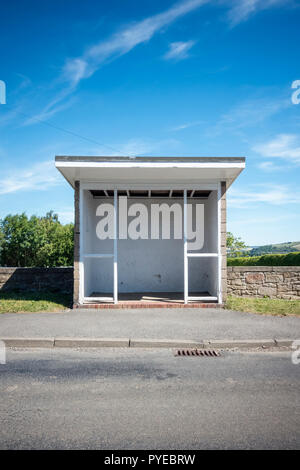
(45, 242)
(235, 246)
(280, 248)
(290, 259)
(35, 241)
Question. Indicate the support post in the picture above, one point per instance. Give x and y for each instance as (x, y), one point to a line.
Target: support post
(185, 257)
(79, 233)
(115, 246)
(219, 246)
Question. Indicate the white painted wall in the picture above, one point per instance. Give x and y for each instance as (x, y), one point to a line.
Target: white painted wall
(148, 265)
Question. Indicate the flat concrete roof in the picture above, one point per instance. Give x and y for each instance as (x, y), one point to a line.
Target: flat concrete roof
(168, 171)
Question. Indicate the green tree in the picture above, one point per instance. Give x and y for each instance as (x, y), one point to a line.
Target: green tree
(35, 241)
(235, 246)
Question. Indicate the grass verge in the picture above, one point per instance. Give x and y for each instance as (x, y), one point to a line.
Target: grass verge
(19, 302)
(264, 306)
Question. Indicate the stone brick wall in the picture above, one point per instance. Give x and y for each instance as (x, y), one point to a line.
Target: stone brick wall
(37, 279)
(281, 282)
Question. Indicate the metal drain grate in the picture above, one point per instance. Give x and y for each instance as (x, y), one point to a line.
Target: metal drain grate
(198, 352)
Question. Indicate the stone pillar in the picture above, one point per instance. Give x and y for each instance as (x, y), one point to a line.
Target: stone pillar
(76, 242)
(223, 240)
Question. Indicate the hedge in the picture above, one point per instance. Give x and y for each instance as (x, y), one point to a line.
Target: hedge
(290, 259)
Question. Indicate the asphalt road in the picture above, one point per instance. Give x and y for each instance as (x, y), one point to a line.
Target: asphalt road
(148, 399)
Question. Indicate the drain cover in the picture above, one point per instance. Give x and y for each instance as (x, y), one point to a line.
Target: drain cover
(198, 352)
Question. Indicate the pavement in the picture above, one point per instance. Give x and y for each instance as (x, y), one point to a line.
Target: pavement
(148, 328)
(148, 399)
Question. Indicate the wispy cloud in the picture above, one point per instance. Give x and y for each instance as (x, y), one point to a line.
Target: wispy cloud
(145, 147)
(268, 167)
(185, 125)
(241, 10)
(50, 110)
(40, 176)
(252, 111)
(123, 41)
(271, 194)
(9, 115)
(249, 113)
(179, 50)
(285, 146)
(136, 147)
(25, 82)
(262, 220)
(128, 37)
(66, 215)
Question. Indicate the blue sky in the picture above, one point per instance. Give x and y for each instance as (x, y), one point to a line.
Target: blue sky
(187, 78)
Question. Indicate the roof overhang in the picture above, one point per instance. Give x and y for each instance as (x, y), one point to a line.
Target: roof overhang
(163, 170)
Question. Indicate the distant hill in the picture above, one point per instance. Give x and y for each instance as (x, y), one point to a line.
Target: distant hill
(287, 247)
